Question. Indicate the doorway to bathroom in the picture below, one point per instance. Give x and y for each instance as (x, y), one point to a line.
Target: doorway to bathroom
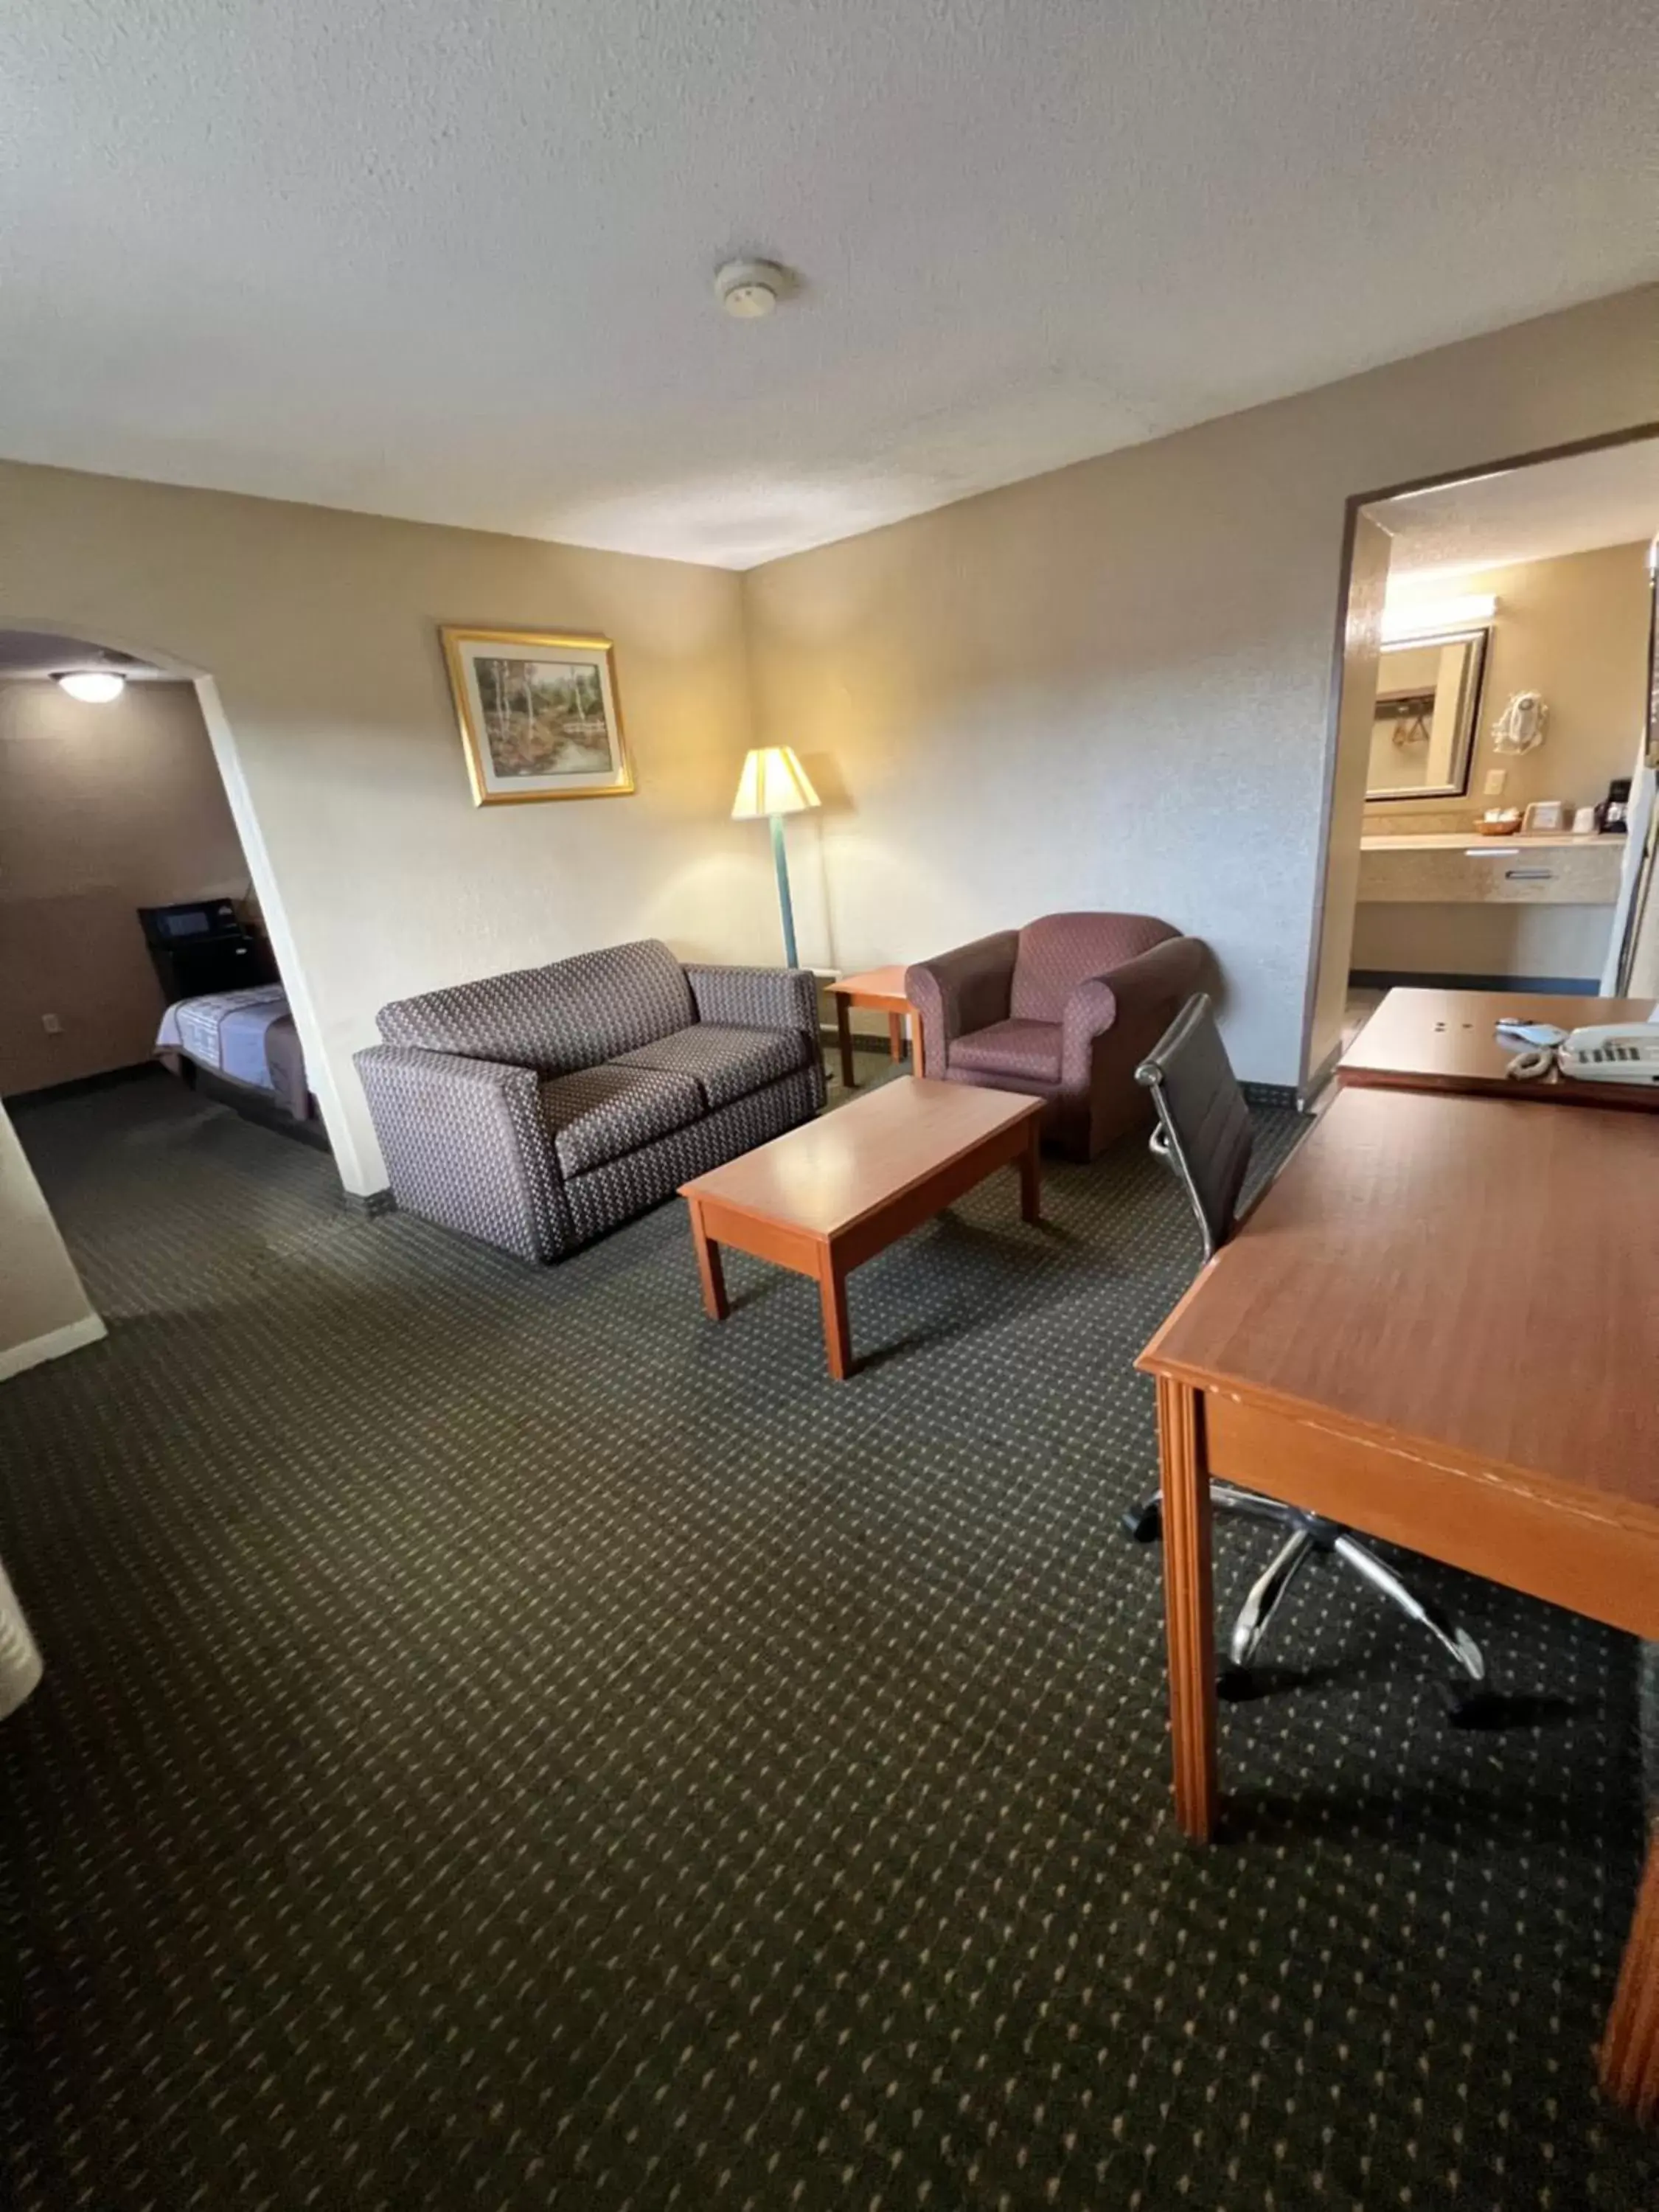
(1490, 819)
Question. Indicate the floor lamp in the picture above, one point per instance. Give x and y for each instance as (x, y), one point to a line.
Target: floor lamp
(774, 783)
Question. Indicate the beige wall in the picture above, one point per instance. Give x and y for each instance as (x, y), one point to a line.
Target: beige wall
(331, 711)
(43, 1308)
(1576, 629)
(102, 810)
(1111, 686)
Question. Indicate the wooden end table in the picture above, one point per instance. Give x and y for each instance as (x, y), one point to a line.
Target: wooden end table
(881, 989)
(822, 1198)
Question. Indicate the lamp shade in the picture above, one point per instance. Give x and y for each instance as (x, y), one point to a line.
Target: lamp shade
(773, 782)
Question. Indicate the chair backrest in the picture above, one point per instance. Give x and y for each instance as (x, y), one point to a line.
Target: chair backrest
(1061, 951)
(570, 1015)
(1204, 1125)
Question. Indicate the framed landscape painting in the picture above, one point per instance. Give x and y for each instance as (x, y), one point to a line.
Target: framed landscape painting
(538, 715)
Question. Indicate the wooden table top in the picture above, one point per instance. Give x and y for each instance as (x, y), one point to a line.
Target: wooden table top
(1479, 1276)
(847, 1165)
(873, 983)
(1428, 1040)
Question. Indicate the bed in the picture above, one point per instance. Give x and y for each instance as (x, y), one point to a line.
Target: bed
(245, 1037)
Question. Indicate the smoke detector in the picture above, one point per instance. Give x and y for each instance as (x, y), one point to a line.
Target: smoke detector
(750, 289)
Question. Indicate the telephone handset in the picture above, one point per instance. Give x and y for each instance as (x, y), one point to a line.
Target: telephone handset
(1619, 1051)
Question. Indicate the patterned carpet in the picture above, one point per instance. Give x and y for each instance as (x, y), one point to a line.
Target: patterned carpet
(507, 1742)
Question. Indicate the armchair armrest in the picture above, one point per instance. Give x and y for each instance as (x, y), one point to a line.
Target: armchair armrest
(1116, 1019)
(959, 992)
(465, 1145)
(757, 998)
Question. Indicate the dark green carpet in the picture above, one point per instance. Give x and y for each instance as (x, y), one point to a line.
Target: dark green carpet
(508, 1742)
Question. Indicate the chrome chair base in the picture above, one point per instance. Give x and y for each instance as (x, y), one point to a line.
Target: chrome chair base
(1308, 1534)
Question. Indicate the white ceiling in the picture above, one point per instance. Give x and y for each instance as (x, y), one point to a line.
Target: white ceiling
(454, 262)
(1537, 513)
(42, 652)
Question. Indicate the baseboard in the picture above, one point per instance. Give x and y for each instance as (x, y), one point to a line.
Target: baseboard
(76, 1086)
(1555, 987)
(1270, 1094)
(52, 1345)
(370, 1203)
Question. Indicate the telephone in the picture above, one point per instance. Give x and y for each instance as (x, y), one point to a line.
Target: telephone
(1618, 1052)
(1622, 1052)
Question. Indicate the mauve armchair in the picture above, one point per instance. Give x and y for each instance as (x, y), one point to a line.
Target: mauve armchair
(1064, 1010)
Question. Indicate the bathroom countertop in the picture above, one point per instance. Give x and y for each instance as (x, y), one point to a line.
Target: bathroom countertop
(1458, 841)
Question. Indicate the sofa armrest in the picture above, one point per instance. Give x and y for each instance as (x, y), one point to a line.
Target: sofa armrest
(757, 998)
(465, 1145)
(959, 992)
(1119, 1017)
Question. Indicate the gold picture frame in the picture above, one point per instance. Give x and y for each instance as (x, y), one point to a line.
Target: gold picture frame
(539, 721)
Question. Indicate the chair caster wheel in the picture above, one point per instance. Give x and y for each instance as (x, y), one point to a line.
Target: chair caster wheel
(1237, 1686)
(1145, 1523)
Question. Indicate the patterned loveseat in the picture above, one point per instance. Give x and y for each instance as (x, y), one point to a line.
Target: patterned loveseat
(538, 1109)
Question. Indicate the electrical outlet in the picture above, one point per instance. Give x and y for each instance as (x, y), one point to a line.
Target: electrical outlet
(1496, 779)
(51, 1025)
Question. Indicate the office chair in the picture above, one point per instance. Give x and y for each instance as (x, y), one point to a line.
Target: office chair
(1204, 1134)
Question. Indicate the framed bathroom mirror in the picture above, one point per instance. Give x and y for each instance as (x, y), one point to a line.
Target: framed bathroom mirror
(1428, 697)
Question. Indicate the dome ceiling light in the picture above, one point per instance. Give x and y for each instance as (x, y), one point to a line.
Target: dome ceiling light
(93, 687)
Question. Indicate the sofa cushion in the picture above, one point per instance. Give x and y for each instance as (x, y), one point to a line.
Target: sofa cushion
(1029, 1049)
(725, 1061)
(600, 1113)
(572, 1014)
(1063, 950)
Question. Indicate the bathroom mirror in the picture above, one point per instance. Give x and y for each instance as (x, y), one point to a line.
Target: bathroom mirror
(1428, 695)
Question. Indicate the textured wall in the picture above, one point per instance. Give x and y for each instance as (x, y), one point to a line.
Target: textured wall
(102, 810)
(330, 705)
(1111, 686)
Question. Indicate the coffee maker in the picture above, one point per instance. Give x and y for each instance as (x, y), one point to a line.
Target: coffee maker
(1614, 808)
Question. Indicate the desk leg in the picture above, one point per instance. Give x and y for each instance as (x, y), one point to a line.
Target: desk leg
(1630, 2054)
(844, 1038)
(709, 1269)
(837, 1333)
(1189, 1606)
(894, 1036)
(1030, 1174)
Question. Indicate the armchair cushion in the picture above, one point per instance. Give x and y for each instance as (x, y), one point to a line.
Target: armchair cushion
(962, 991)
(600, 1113)
(726, 1062)
(1027, 1051)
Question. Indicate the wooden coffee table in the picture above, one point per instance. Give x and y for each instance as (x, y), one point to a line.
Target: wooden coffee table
(883, 990)
(1432, 1040)
(824, 1199)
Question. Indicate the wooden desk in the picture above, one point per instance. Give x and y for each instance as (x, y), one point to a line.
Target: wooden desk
(1423, 1039)
(1439, 1328)
(824, 1199)
(883, 990)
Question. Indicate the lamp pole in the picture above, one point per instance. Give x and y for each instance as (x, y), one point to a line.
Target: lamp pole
(780, 862)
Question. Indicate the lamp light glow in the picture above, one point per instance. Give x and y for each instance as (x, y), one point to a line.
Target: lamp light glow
(1404, 618)
(773, 782)
(93, 687)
